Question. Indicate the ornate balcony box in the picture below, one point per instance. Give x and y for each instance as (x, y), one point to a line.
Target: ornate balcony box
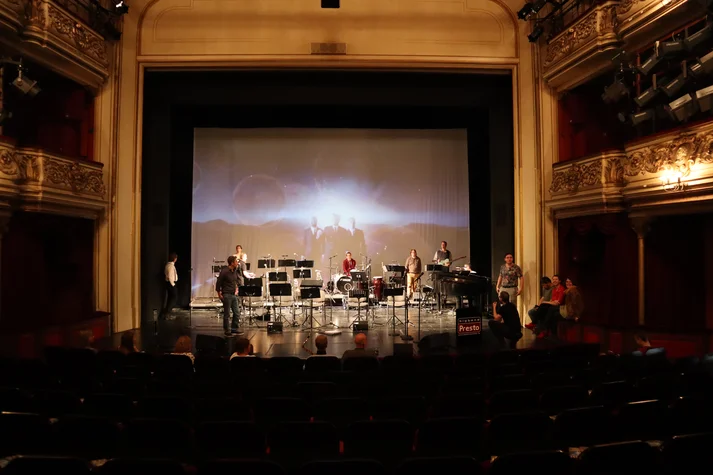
(665, 174)
(49, 35)
(582, 50)
(590, 185)
(34, 180)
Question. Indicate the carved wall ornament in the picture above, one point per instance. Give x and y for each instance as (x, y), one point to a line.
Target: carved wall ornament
(577, 176)
(74, 33)
(21, 166)
(625, 5)
(678, 155)
(568, 40)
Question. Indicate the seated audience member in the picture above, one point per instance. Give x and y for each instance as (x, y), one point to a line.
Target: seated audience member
(183, 347)
(128, 343)
(506, 321)
(546, 283)
(573, 303)
(359, 348)
(643, 344)
(321, 343)
(87, 340)
(548, 312)
(243, 348)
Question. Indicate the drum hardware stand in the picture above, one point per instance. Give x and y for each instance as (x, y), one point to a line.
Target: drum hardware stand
(310, 293)
(267, 263)
(393, 292)
(331, 295)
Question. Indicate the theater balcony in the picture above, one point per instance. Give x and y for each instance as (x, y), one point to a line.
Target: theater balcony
(584, 37)
(651, 175)
(69, 37)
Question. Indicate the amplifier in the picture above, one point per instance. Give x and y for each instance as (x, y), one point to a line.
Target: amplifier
(311, 283)
(274, 327)
(361, 326)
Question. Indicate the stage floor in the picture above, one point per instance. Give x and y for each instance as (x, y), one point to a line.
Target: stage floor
(162, 336)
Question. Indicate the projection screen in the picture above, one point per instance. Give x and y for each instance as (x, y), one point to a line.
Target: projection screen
(317, 193)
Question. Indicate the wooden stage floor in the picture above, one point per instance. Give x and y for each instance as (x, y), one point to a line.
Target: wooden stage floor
(162, 336)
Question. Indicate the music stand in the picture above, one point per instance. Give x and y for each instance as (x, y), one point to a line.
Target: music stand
(280, 290)
(301, 273)
(310, 293)
(308, 264)
(251, 291)
(393, 292)
(360, 277)
(266, 263)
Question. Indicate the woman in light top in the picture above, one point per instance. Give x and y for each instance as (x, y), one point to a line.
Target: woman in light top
(239, 254)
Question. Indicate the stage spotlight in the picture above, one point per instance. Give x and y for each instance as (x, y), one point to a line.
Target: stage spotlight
(646, 96)
(705, 98)
(121, 8)
(673, 87)
(525, 12)
(642, 116)
(698, 38)
(537, 5)
(25, 84)
(707, 63)
(330, 3)
(647, 66)
(536, 33)
(670, 48)
(615, 92)
(682, 108)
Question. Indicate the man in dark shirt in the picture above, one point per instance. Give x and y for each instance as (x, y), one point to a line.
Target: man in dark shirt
(506, 321)
(229, 280)
(443, 255)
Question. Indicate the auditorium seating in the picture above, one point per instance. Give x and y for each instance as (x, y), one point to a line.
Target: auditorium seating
(569, 410)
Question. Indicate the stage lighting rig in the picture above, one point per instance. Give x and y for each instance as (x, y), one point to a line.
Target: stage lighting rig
(536, 33)
(531, 9)
(682, 108)
(22, 82)
(615, 92)
(705, 98)
(699, 37)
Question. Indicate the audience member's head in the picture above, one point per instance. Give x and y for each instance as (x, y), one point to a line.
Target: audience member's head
(546, 282)
(568, 283)
(504, 297)
(321, 343)
(360, 340)
(173, 257)
(86, 339)
(556, 281)
(642, 340)
(128, 342)
(183, 345)
(242, 346)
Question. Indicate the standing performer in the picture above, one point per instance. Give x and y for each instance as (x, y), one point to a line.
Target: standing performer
(443, 255)
(169, 272)
(413, 269)
(348, 264)
(230, 278)
(510, 279)
(239, 254)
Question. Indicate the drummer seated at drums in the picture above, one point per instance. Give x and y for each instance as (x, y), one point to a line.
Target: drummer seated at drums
(348, 264)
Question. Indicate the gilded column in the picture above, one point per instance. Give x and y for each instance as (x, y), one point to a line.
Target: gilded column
(642, 227)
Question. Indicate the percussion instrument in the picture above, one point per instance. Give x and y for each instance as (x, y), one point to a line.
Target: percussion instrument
(378, 284)
(344, 284)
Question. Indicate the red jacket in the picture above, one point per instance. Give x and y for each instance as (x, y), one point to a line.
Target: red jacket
(347, 265)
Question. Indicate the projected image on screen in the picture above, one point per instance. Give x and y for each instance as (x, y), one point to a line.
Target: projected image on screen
(318, 193)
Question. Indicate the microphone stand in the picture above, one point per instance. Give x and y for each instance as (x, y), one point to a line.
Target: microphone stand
(331, 297)
(405, 336)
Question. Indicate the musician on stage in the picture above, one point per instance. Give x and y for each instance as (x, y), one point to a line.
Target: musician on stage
(230, 278)
(239, 254)
(348, 264)
(443, 255)
(413, 269)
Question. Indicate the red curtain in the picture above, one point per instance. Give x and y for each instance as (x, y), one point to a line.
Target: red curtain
(47, 272)
(678, 282)
(599, 253)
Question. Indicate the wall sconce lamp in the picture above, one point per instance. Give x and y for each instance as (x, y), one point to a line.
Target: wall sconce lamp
(671, 180)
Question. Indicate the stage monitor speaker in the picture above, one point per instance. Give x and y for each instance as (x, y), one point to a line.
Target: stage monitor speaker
(361, 327)
(330, 3)
(210, 344)
(274, 327)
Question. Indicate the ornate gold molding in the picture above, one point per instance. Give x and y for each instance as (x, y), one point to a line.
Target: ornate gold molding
(630, 179)
(589, 173)
(50, 35)
(679, 154)
(570, 55)
(67, 186)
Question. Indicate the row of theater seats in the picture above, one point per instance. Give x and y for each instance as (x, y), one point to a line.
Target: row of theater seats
(680, 456)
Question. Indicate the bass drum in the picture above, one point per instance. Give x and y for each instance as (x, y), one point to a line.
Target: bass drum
(378, 283)
(344, 284)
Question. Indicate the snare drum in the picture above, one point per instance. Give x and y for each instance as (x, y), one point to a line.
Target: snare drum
(378, 283)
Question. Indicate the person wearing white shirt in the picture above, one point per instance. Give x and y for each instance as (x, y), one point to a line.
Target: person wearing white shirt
(171, 276)
(239, 254)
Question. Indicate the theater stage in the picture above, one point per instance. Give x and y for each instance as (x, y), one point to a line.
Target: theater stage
(290, 342)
